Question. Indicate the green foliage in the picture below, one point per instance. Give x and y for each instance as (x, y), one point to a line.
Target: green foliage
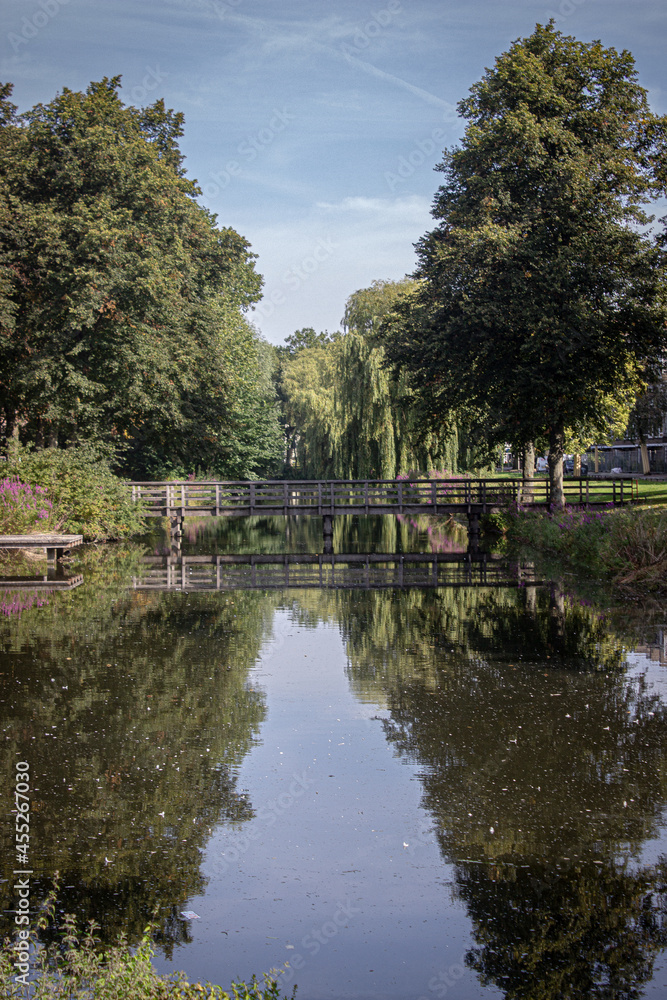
(88, 499)
(635, 548)
(540, 297)
(349, 418)
(74, 968)
(628, 545)
(123, 318)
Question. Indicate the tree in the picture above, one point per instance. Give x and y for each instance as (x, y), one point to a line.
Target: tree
(648, 417)
(348, 417)
(540, 296)
(125, 301)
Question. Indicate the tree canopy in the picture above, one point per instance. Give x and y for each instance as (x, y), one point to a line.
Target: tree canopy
(122, 302)
(348, 417)
(542, 295)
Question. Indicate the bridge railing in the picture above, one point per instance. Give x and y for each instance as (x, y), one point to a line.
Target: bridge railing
(263, 497)
(344, 571)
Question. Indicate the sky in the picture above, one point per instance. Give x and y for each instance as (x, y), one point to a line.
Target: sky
(312, 128)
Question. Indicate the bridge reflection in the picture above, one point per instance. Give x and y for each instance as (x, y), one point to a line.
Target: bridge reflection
(355, 571)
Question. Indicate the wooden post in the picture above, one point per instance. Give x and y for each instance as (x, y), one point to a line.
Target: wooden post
(285, 498)
(434, 496)
(399, 491)
(366, 496)
(217, 502)
(252, 498)
(319, 498)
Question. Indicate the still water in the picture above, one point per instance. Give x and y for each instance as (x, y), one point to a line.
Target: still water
(449, 790)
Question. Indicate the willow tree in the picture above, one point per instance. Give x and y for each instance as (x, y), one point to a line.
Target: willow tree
(353, 419)
(541, 294)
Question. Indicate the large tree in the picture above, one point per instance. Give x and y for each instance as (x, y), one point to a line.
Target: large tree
(541, 293)
(123, 315)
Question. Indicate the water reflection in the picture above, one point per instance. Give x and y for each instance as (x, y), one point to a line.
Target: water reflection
(243, 536)
(544, 772)
(133, 713)
(542, 764)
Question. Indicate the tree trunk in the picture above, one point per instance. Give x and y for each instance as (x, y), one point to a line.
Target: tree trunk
(556, 444)
(528, 464)
(646, 465)
(528, 460)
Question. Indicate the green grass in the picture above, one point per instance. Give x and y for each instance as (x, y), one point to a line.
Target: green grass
(652, 491)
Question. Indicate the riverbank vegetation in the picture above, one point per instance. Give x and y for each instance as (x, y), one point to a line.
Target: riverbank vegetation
(71, 490)
(75, 969)
(627, 546)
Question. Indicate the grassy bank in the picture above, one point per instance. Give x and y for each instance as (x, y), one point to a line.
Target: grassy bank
(626, 546)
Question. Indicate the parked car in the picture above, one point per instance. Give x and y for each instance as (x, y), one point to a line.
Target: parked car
(541, 465)
(568, 467)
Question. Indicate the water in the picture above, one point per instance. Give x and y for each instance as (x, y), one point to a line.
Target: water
(456, 791)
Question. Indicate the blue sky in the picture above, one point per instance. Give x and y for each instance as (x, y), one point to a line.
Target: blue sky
(312, 128)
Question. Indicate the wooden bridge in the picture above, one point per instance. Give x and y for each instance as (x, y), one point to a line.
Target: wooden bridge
(326, 498)
(346, 571)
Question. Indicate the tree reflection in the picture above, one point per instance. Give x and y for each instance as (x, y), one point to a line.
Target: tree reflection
(582, 931)
(134, 713)
(544, 769)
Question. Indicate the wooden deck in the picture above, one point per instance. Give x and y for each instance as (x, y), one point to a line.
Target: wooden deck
(55, 545)
(325, 498)
(346, 571)
(41, 583)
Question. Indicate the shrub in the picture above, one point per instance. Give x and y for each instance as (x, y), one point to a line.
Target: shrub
(88, 499)
(634, 550)
(626, 545)
(24, 508)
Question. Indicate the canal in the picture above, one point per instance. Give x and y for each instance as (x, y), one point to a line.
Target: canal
(387, 792)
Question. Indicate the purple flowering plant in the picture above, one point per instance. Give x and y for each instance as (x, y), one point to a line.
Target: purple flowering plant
(14, 602)
(24, 509)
